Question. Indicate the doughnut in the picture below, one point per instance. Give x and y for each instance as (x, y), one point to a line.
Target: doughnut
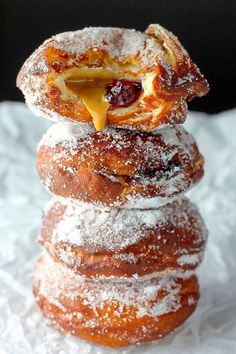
(107, 242)
(116, 312)
(112, 76)
(117, 167)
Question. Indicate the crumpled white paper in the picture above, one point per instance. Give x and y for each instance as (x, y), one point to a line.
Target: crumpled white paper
(23, 330)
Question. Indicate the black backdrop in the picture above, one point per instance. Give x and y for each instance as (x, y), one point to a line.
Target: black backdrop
(207, 28)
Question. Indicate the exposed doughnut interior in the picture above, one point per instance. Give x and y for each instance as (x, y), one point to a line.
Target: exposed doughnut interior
(90, 86)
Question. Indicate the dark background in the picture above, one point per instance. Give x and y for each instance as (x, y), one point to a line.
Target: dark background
(207, 28)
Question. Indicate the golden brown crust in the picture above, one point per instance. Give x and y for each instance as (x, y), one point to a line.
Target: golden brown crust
(108, 321)
(116, 167)
(155, 58)
(173, 242)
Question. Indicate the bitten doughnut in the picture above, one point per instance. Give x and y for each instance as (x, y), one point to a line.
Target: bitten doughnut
(114, 312)
(118, 167)
(116, 76)
(124, 243)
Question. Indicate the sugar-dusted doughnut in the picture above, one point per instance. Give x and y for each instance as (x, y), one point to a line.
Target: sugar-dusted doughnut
(114, 312)
(114, 75)
(124, 242)
(118, 167)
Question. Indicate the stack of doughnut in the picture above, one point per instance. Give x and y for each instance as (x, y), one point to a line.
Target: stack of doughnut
(121, 242)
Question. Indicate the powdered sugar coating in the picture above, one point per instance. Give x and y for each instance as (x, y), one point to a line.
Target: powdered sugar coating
(114, 229)
(189, 259)
(147, 159)
(138, 202)
(117, 42)
(58, 283)
(68, 134)
(73, 137)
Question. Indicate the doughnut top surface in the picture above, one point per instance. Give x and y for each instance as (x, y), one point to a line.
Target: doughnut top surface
(99, 229)
(118, 167)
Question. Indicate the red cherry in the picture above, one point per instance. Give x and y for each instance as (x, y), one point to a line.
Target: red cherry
(123, 93)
